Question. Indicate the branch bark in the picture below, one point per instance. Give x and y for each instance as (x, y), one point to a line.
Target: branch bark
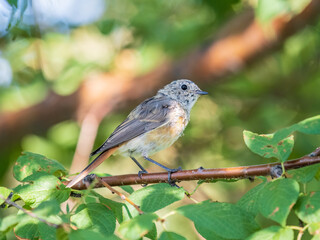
(204, 174)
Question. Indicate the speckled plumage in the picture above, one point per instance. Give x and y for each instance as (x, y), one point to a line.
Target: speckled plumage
(153, 125)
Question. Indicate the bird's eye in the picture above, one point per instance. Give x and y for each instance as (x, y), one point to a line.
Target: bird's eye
(184, 87)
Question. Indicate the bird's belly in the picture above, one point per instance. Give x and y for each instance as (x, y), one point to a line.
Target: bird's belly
(155, 140)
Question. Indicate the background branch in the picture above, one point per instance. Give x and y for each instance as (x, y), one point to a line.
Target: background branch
(203, 174)
(240, 42)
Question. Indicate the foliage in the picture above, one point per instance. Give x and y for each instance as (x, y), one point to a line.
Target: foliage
(95, 215)
(131, 38)
(280, 144)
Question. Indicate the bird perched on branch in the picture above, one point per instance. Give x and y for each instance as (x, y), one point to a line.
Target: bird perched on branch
(153, 125)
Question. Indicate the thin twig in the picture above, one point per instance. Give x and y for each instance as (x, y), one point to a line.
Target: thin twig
(122, 196)
(202, 174)
(300, 229)
(31, 214)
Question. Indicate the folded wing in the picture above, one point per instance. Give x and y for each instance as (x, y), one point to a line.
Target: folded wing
(150, 114)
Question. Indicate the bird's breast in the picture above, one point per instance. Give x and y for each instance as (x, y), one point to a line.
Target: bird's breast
(158, 138)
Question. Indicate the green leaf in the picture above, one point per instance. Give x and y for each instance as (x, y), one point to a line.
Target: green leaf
(128, 189)
(152, 234)
(314, 229)
(308, 208)
(214, 220)
(62, 233)
(85, 234)
(95, 216)
(310, 125)
(138, 226)
(153, 198)
(46, 232)
(116, 207)
(4, 192)
(316, 237)
(13, 3)
(171, 236)
(250, 201)
(277, 198)
(8, 222)
(47, 209)
(305, 174)
(280, 144)
(45, 187)
(267, 146)
(268, 9)
(272, 233)
(30, 227)
(30, 163)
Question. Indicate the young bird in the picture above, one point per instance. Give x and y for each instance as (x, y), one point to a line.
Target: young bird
(153, 125)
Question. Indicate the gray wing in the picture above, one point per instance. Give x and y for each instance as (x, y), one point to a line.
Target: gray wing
(149, 115)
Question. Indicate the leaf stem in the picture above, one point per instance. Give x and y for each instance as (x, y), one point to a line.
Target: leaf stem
(300, 229)
(122, 196)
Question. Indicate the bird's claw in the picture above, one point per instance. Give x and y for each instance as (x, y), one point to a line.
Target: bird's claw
(141, 172)
(89, 178)
(170, 180)
(276, 171)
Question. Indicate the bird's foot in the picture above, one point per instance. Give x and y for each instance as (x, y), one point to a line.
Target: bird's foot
(170, 180)
(141, 172)
(87, 180)
(276, 171)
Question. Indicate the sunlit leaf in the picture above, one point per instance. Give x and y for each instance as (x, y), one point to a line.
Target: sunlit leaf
(30, 163)
(115, 207)
(305, 174)
(85, 234)
(272, 233)
(280, 143)
(95, 216)
(310, 125)
(153, 198)
(138, 226)
(4, 193)
(44, 187)
(314, 229)
(308, 208)
(277, 199)
(31, 227)
(267, 9)
(266, 146)
(215, 220)
(250, 201)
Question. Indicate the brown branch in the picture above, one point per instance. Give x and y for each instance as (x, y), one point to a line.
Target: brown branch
(203, 174)
(233, 52)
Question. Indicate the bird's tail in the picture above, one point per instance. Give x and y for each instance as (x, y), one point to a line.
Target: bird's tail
(95, 163)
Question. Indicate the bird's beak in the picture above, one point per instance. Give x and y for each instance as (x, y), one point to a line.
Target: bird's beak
(201, 92)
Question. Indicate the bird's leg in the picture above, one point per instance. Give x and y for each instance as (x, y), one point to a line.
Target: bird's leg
(169, 170)
(139, 165)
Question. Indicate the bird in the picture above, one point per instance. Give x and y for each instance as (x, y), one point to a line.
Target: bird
(153, 125)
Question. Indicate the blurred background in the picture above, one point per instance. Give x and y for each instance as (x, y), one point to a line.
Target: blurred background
(71, 71)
